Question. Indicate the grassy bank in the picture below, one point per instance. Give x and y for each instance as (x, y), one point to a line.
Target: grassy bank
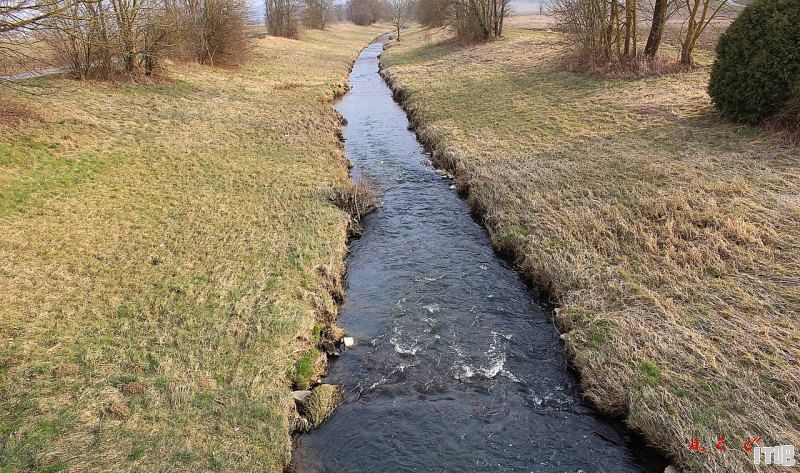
(670, 239)
(165, 250)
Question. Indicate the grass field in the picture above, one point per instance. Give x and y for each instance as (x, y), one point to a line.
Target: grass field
(669, 238)
(164, 253)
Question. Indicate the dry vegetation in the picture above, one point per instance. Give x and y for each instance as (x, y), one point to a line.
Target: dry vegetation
(669, 238)
(164, 254)
(29, 54)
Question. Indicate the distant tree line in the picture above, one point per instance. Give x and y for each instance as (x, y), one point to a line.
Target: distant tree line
(286, 17)
(366, 12)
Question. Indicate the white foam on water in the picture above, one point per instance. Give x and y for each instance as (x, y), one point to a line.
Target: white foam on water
(494, 369)
(510, 375)
(428, 279)
(377, 383)
(432, 308)
(407, 349)
(497, 360)
(399, 369)
(466, 371)
(402, 346)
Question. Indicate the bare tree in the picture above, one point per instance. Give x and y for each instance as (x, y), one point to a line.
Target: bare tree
(699, 14)
(316, 13)
(339, 12)
(19, 16)
(214, 30)
(594, 23)
(656, 28)
(95, 38)
(606, 30)
(100, 37)
(399, 10)
(20, 23)
(81, 38)
(365, 12)
(155, 32)
(283, 17)
(477, 20)
(126, 14)
(432, 12)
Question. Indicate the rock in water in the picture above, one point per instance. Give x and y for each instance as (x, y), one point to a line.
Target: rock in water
(301, 395)
(318, 405)
(329, 348)
(348, 342)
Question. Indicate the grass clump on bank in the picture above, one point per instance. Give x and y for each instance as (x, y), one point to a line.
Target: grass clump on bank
(166, 252)
(669, 237)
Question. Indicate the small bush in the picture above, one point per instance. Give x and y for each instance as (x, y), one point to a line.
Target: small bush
(365, 12)
(214, 31)
(316, 13)
(282, 17)
(638, 66)
(357, 199)
(758, 61)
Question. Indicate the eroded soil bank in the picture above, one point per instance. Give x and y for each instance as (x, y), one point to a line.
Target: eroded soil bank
(456, 367)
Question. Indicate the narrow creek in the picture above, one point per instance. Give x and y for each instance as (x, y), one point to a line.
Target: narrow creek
(456, 367)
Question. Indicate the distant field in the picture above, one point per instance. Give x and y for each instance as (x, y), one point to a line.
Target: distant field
(669, 238)
(164, 251)
(672, 32)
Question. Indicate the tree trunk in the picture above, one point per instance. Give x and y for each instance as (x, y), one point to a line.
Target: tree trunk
(687, 53)
(628, 28)
(656, 29)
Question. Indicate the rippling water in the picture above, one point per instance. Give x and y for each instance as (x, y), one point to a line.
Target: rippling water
(456, 366)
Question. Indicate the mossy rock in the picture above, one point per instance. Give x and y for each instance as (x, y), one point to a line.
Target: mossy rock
(318, 405)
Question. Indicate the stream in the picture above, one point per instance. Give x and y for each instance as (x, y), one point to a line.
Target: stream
(456, 366)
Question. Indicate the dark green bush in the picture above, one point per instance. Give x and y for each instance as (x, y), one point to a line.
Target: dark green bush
(758, 61)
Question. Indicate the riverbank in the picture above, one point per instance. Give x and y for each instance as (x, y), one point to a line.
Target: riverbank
(668, 237)
(167, 250)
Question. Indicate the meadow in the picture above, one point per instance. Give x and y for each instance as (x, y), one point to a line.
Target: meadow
(167, 248)
(668, 237)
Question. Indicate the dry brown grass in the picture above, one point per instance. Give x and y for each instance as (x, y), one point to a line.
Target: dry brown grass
(356, 198)
(15, 112)
(165, 252)
(25, 54)
(639, 66)
(786, 123)
(669, 238)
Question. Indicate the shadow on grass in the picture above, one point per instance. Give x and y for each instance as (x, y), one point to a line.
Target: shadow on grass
(430, 50)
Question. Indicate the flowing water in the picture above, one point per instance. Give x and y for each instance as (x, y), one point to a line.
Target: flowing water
(456, 366)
